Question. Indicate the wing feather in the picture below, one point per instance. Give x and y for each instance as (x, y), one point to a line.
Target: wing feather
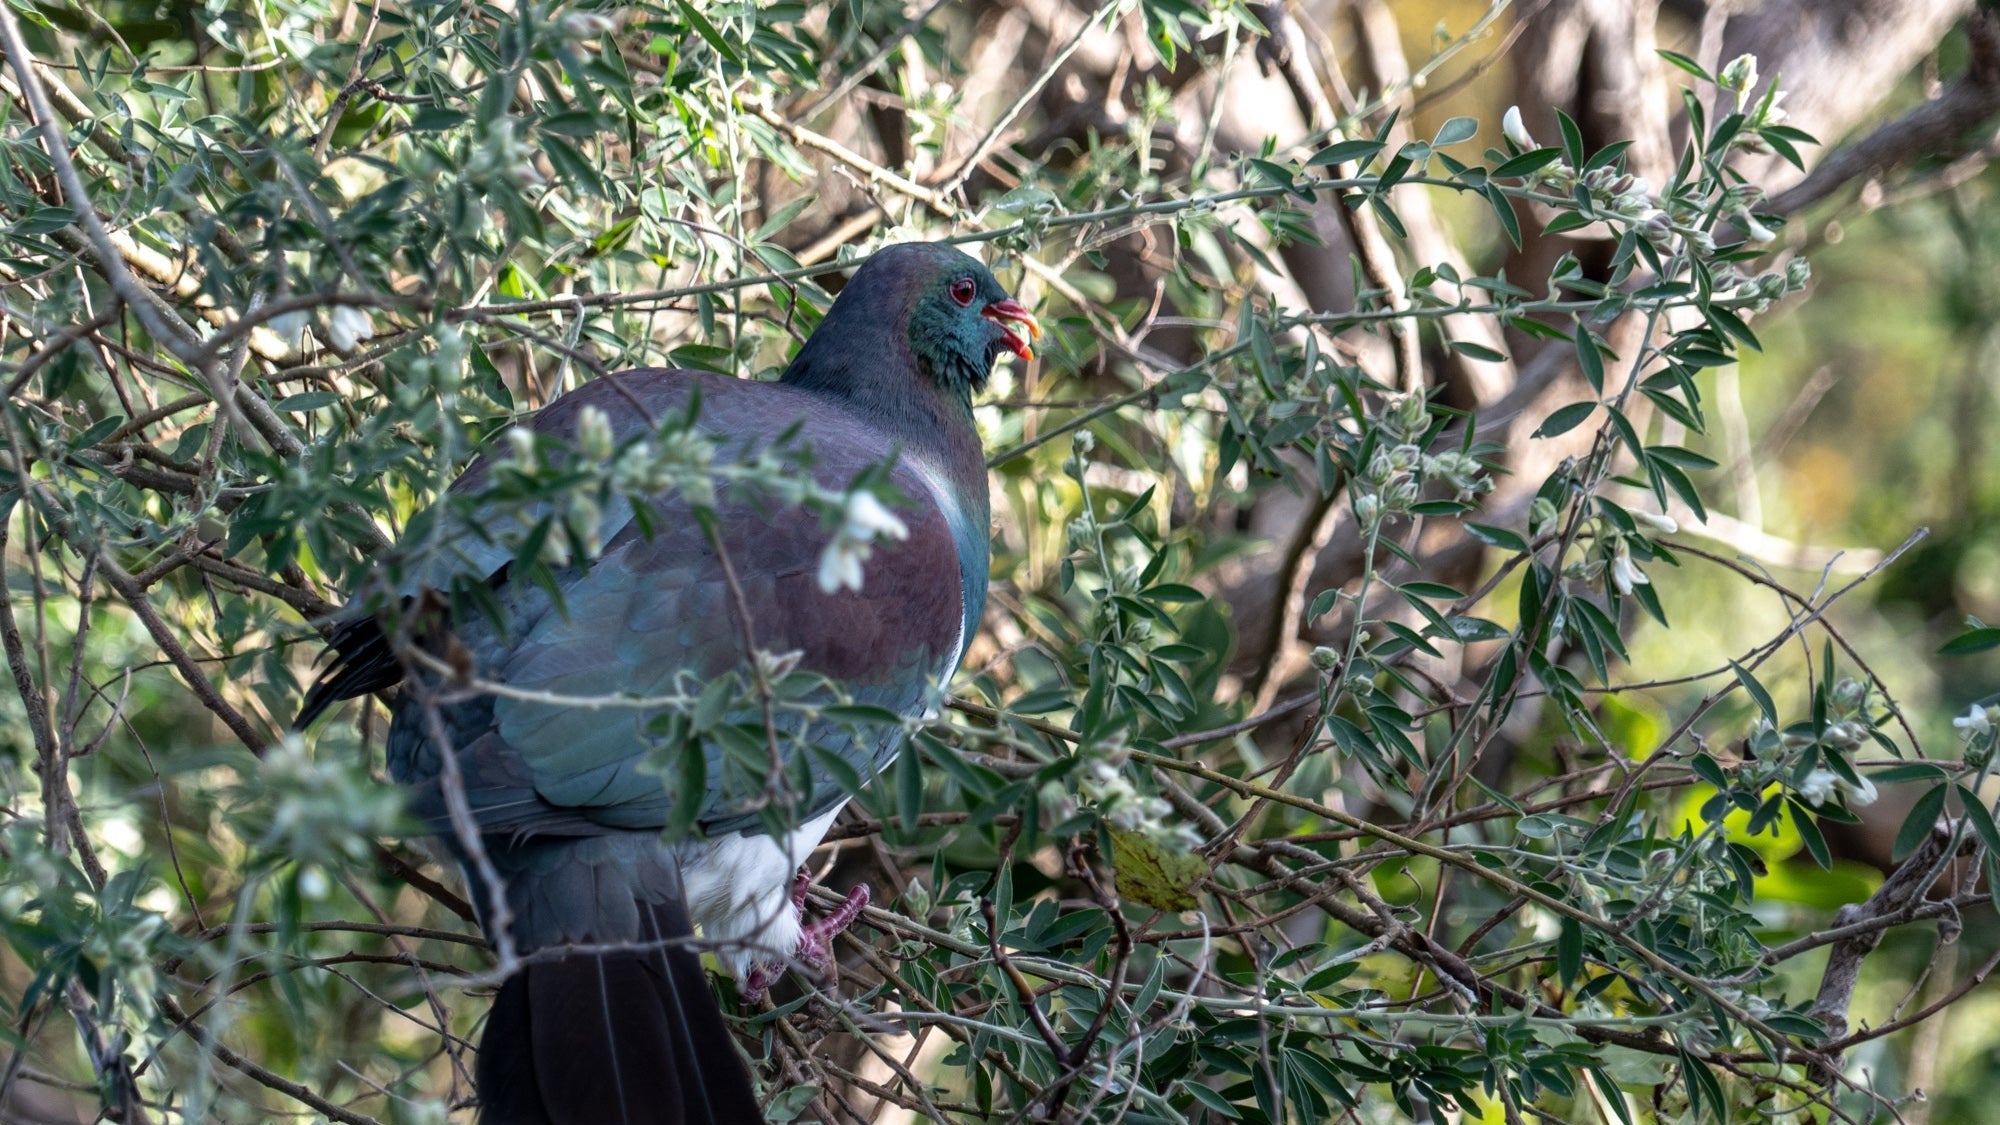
(654, 614)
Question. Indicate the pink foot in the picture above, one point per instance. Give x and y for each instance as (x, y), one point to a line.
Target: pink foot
(815, 948)
(816, 938)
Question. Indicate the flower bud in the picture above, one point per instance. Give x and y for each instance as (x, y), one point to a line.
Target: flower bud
(521, 446)
(1664, 525)
(1541, 514)
(1849, 696)
(1740, 75)
(593, 434)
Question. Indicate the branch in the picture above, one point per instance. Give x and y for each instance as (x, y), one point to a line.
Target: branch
(1938, 127)
(171, 333)
(299, 1093)
(1896, 898)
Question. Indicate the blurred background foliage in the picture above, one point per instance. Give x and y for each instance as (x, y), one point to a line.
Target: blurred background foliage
(464, 209)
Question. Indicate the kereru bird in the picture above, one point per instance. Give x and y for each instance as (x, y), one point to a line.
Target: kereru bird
(567, 812)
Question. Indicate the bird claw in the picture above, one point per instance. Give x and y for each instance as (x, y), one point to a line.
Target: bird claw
(815, 948)
(816, 938)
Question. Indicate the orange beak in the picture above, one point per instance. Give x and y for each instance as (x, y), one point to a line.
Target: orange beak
(1009, 313)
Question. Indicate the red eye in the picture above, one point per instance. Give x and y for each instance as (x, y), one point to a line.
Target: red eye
(963, 291)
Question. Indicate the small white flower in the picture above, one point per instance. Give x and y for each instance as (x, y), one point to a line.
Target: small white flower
(1512, 128)
(1664, 525)
(863, 521)
(867, 518)
(840, 566)
(1976, 723)
(1773, 113)
(1858, 796)
(1624, 573)
(1818, 786)
(1757, 231)
(347, 327)
(289, 326)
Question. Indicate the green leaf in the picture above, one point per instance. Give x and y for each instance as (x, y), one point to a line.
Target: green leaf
(43, 219)
(1917, 825)
(1569, 951)
(1476, 351)
(436, 119)
(1470, 629)
(1527, 163)
(909, 787)
(1213, 1102)
(1708, 770)
(1791, 1023)
(1572, 139)
(1455, 130)
(1023, 200)
(310, 400)
(1496, 536)
(1976, 640)
(1757, 692)
(99, 430)
(1981, 818)
(1503, 210)
(1808, 826)
(1703, 1089)
(1684, 458)
(1692, 67)
(1565, 419)
(513, 283)
(1909, 771)
(1341, 152)
(1590, 358)
(708, 31)
(1431, 590)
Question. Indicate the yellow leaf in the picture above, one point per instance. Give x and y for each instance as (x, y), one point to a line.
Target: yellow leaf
(1153, 874)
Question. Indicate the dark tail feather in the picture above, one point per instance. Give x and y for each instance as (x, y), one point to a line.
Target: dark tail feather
(363, 661)
(613, 1039)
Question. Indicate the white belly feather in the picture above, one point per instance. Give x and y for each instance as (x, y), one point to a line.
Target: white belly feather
(739, 891)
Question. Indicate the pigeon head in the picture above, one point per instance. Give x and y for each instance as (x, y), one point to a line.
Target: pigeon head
(930, 302)
(961, 320)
